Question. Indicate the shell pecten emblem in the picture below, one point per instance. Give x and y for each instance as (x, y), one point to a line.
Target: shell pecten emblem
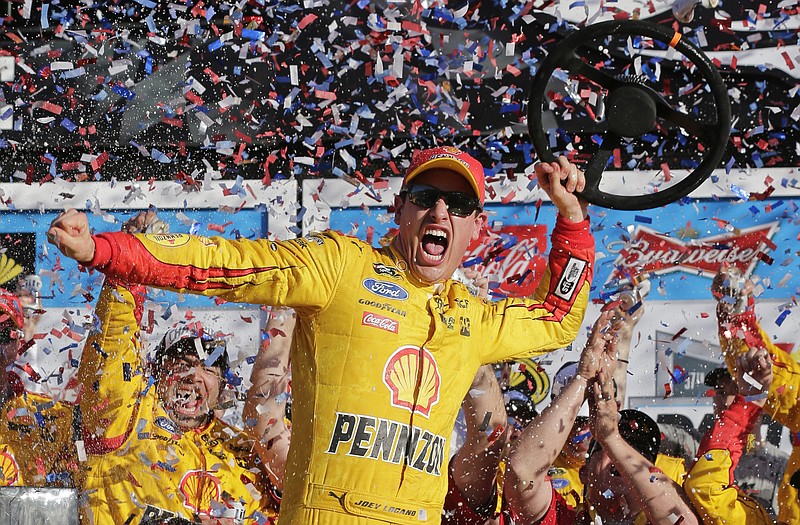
(412, 376)
(199, 489)
(8, 469)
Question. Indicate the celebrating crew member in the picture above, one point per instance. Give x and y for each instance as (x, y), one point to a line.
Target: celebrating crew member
(36, 446)
(710, 485)
(155, 450)
(386, 344)
(622, 484)
(739, 332)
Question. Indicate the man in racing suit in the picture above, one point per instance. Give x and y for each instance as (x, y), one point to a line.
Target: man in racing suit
(36, 447)
(739, 331)
(386, 345)
(710, 485)
(155, 451)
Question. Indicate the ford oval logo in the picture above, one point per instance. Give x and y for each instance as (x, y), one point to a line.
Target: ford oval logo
(385, 289)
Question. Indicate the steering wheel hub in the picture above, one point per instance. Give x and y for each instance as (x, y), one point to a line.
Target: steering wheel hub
(630, 111)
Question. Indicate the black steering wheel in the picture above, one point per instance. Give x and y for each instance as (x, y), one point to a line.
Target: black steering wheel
(633, 108)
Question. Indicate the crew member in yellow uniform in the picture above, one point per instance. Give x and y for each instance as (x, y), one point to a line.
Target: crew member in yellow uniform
(710, 485)
(739, 331)
(155, 449)
(36, 447)
(386, 344)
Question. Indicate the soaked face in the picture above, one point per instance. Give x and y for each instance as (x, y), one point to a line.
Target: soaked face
(577, 444)
(606, 492)
(188, 390)
(433, 239)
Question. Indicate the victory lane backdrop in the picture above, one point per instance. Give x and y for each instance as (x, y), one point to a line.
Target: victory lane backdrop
(679, 247)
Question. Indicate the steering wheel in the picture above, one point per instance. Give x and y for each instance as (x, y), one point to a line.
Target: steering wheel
(633, 108)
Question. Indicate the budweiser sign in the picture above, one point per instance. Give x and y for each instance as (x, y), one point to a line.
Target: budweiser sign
(653, 252)
(379, 321)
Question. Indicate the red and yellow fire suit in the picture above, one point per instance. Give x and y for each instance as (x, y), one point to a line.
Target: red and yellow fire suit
(36, 447)
(710, 485)
(381, 361)
(140, 464)
(736, 335)
(566, 479)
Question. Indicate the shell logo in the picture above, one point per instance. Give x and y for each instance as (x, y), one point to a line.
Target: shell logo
(413, 377)
(8, 469)
(199, 489)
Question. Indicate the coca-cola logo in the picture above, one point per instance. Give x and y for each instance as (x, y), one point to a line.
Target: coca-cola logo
(512, 257)
(653, 252)
(379, 321)
(385, 289)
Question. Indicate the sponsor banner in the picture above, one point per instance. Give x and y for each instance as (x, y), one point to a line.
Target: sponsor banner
(679, 246)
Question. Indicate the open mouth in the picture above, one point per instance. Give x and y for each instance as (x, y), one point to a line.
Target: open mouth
(434, 245)
(188, 401)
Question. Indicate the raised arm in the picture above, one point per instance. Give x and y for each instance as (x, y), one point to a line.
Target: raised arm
(527, 487)
(111, 371)
(629, 309)
(265, 405)
(739, 331)
(710, 484)
(650, 490)
(474, 467)
(299, 273)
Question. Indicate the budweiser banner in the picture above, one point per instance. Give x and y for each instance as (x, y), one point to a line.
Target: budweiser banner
(679, 247)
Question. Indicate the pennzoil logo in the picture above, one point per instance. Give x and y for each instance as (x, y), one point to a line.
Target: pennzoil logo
(168, 239)
(362, 436)
(199, 489)
(8, 468)
(409, 370)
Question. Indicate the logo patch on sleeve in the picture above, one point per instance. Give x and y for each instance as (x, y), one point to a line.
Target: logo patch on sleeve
(570, 277)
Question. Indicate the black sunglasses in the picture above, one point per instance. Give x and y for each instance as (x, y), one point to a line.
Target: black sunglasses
(458, 203)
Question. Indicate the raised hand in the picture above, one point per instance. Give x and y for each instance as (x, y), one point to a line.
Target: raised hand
(550, 176)
(603, 413)
(754, 375)
(600, 352)
(69, 232)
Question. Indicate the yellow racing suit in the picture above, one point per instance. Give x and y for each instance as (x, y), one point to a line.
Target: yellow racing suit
(141, 466)
(710, 484)
(566, 479)
(36, 447)
(738, 333)
(380, 362)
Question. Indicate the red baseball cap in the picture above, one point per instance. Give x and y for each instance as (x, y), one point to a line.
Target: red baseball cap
(11, 307)
(450, 158)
